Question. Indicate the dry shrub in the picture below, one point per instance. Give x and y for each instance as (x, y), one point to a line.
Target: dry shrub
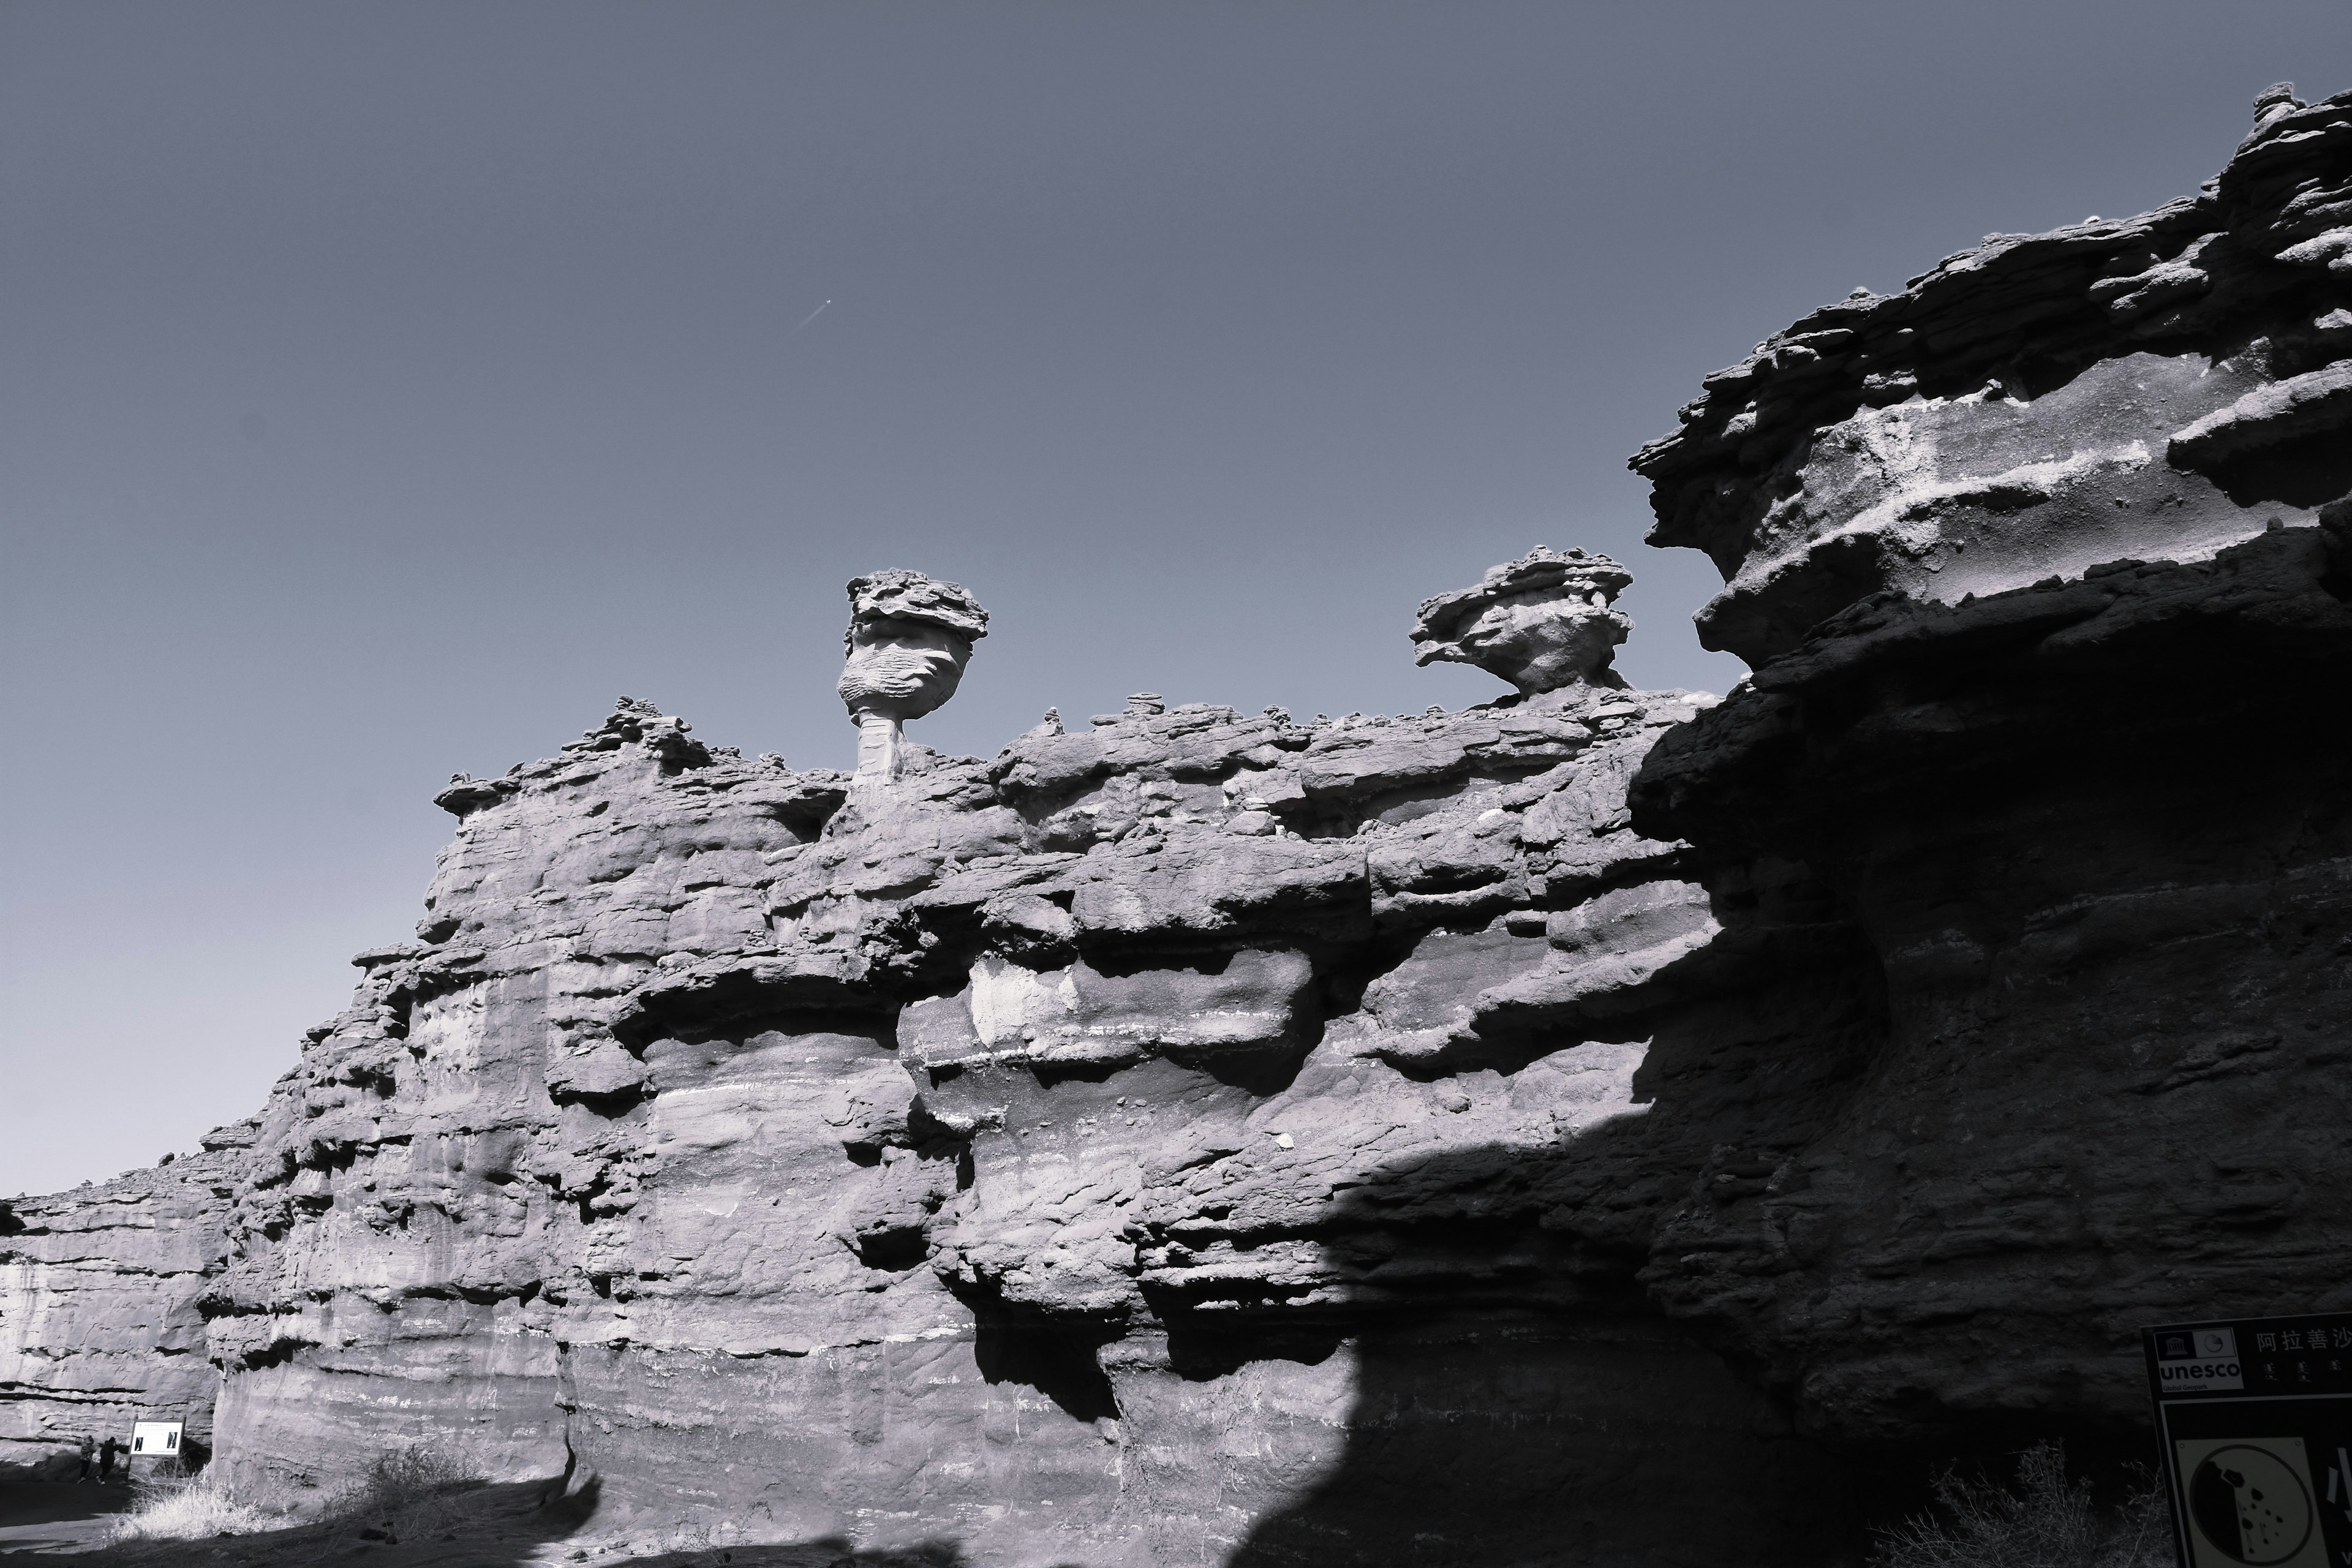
(169, 1504)
(400, 1479)
(406, 1491)
(2044, 1522)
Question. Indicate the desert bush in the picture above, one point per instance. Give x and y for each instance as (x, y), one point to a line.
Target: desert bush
(400, 1479)
(406, 1491)
(174, 1505)
(2042, 1522)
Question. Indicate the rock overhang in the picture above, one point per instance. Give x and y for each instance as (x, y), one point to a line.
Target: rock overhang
(1880, 441)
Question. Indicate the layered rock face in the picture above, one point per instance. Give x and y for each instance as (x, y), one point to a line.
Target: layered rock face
(2043, 566)
(2159, 387)
(1576, 1130)
(1202, 1129)
(99, 1321)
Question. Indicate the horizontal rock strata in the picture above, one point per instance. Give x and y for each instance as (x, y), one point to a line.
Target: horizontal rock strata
(2164, 386)
(98, 1318)
(2044, 566)
(969, 1153)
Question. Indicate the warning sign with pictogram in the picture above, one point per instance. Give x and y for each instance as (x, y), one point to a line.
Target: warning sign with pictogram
(2255, 1416)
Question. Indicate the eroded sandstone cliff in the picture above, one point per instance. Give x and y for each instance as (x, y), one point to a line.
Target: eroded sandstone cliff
(99, 1321)
(1584, 1128)
(2043, 565)
(1047, 1153)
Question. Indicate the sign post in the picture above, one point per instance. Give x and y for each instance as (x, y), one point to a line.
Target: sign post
(156, 1440)
(2254, 1416)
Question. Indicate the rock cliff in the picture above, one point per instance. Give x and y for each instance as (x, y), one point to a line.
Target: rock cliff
(99, 1321)
(2043, 565)
(1044, 1152)
(1589, 1127)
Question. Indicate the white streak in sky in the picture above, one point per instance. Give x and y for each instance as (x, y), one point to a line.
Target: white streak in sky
(812, 316)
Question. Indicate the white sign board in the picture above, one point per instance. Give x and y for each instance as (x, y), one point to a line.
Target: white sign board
(157, 1437)
(2256, 1415)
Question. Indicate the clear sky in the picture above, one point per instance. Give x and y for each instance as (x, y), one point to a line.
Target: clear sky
(384, 388)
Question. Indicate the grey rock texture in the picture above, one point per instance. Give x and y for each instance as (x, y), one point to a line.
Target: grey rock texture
(2007, 548)
(1593, 1127)
(908, 640)
(2158, 386)
(98, 1318)
(1046, 1151)
(1541, 622)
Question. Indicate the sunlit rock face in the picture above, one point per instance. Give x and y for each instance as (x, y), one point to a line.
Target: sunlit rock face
(2156, 387)
(1541, 622)
(908, 640)
(1595, 1126)
(1079, 1155)
(99, 1317)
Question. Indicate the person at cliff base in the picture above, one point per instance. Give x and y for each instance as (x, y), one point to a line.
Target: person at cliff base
(107, 1452)
(88, 1450)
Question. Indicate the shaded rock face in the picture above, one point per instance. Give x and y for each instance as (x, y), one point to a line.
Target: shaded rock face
(2044, 564)
(1581, 1128)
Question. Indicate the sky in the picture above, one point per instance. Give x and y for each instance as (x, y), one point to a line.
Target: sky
(385, 388)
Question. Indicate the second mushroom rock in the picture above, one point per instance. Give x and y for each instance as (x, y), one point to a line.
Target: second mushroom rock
(1541, 622)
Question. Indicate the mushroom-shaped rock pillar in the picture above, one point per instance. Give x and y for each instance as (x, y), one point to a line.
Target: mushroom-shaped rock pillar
(909, 637)
(1542, 622)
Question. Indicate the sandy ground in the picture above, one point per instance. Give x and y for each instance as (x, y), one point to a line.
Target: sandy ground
(57, 1516)
(484, 1527)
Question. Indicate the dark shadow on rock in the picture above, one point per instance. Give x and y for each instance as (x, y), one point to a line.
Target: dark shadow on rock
(1524, 1395)
(1058, 1361)
(1200, 1352)
(1518, 1402)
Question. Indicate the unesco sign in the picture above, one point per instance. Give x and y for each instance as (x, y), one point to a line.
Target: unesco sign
(2255, 1419)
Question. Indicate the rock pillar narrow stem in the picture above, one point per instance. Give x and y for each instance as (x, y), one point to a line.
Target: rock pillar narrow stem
(879, 739)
